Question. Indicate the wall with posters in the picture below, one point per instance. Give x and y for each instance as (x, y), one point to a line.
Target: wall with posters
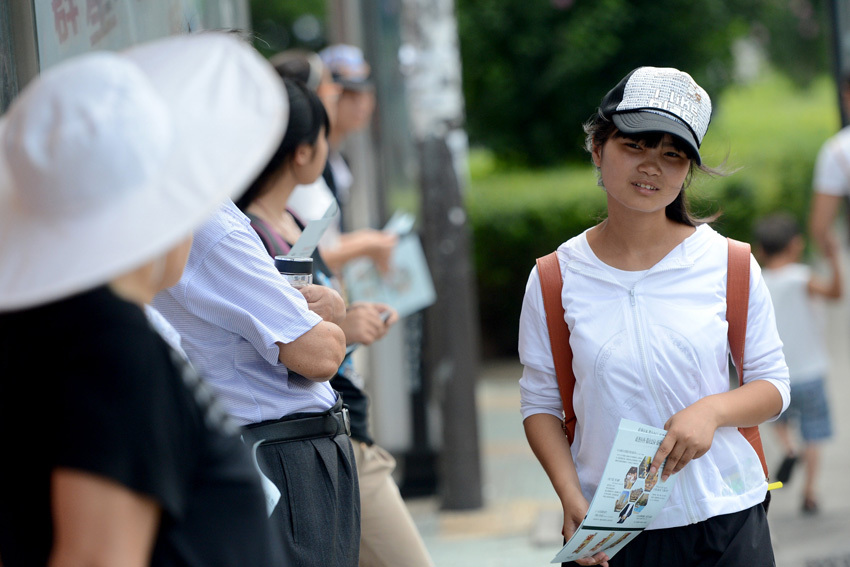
(45, 32)
(69, 27)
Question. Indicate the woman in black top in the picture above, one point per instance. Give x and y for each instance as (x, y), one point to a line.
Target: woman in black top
(116, 452)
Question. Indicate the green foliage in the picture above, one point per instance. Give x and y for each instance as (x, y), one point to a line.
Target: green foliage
(533, 71)
(769, 132)
(794, 33)
(517, 218)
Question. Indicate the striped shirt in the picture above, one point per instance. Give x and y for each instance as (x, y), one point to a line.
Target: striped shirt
(231, 307)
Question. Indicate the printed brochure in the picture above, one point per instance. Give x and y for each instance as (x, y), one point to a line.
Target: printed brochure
(628, 497)
(312, 233)
(408, 286)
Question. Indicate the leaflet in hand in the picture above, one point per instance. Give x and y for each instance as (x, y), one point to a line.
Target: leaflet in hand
(628, 497)
(312, 233)
(400, 223)
(408, 286)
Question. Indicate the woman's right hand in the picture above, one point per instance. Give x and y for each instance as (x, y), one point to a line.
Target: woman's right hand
(549, 444)
(574, 513)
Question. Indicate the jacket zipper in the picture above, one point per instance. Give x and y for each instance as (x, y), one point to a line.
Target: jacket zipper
(642, 352)
(687, 494)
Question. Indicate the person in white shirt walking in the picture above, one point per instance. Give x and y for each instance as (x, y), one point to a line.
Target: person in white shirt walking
(831, 178)
(797, 294)
(644, 294)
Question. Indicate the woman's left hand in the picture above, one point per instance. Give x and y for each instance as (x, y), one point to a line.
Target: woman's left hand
(689, 436)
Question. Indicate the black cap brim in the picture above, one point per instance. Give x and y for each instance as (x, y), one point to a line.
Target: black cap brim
(639, 122)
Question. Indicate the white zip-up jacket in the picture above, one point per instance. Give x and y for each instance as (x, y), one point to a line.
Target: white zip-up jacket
(647, 350)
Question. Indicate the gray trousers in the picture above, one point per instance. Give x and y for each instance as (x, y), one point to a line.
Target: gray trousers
(318, 515)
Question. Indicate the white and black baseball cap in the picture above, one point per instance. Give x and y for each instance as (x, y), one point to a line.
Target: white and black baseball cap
(348, 67)
(660, 99)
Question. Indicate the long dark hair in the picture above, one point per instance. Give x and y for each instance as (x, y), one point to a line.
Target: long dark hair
(599, 130)
(307, 117)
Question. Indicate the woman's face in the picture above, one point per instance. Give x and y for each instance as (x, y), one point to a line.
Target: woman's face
(143, 283)
(175, 261)
(355, 110)
(638, 177)
(329, 92)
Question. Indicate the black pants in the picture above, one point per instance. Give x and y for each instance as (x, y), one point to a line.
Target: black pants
(318, 516)
(731, 540)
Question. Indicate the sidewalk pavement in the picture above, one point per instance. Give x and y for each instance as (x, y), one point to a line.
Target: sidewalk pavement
(519, 524)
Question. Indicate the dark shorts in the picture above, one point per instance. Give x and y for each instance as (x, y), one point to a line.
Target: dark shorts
(731, 540)
(810, 408)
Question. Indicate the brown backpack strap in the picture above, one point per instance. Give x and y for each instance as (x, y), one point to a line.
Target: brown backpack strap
(737, 306)
(551, 283)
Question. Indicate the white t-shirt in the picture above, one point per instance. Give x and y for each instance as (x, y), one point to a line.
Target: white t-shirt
(309, 202)
(832, 168)
(343, 178)
(799, 319)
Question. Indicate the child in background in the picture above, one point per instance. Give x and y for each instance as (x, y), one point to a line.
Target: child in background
(795, 291)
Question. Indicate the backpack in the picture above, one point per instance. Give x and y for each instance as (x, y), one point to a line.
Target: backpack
(737, 303)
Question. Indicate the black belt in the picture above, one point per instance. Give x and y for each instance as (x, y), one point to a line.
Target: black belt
(331, 423)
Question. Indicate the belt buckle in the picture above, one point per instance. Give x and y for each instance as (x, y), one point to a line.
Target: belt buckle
(346, 421)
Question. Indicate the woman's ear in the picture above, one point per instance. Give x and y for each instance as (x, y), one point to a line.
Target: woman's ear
(303, 154)
(596, 155)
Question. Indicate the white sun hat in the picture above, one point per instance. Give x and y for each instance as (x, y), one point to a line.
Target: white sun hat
(109, 159)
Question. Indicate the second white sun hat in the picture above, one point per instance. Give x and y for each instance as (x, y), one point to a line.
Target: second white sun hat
(109, 159)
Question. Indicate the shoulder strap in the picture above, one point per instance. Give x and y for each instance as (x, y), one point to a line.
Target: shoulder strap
(738, 301)
(274, 244)
(737, 306)
(551, 282)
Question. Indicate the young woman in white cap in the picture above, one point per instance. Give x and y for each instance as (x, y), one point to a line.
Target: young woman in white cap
(644, 294)
(116, 452)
